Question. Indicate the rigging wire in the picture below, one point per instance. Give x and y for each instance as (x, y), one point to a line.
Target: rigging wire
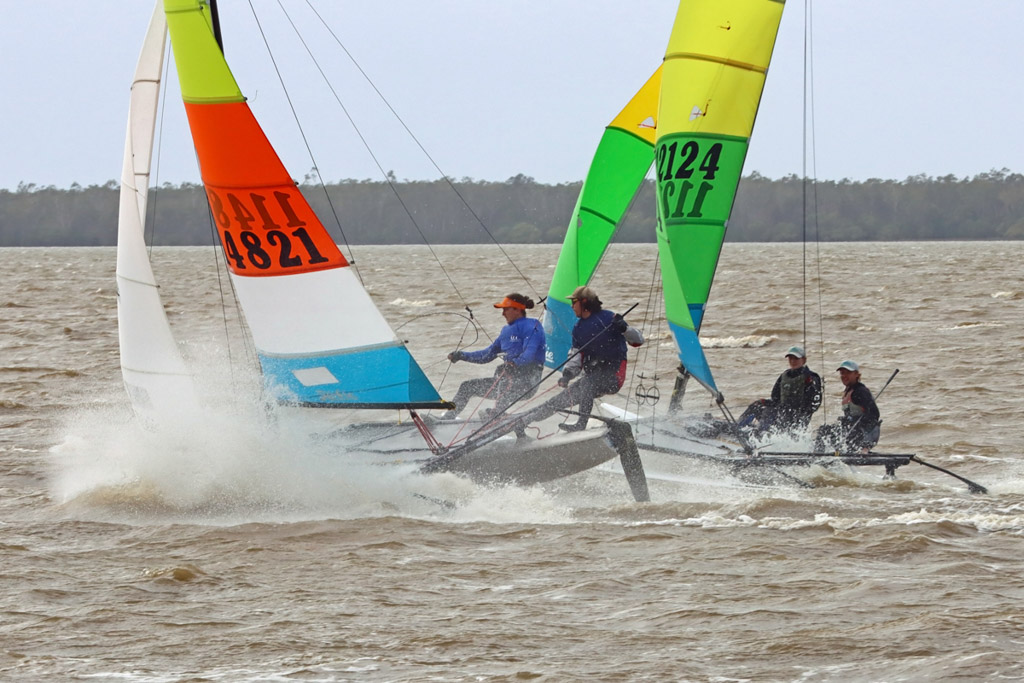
(809, 134)
(652, 314)
(651, 310)
(437, 167)
(369, 150)
(302, 131)
(155, 168)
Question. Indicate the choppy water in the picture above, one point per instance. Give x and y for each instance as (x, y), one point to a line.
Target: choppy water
(229, 551)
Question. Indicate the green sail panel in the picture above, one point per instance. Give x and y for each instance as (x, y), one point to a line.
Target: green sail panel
(714, 73)
(620, 165)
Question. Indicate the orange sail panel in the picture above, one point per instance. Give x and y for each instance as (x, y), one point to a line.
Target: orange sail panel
(265, 224)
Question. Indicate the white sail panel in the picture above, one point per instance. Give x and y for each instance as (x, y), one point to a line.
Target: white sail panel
(312, 312)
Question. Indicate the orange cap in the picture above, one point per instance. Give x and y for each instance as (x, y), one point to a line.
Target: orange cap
(508, 303)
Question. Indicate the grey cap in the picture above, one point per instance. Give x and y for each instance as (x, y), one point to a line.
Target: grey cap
(849, 365)
(797, 351)
(583, 292)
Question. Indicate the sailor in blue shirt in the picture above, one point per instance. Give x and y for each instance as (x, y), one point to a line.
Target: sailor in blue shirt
(522, 344)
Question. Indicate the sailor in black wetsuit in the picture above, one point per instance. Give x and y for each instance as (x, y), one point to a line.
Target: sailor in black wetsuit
(599, 344)
(859, 427)
(795, 397)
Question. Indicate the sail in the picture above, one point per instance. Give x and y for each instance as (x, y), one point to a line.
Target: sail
(620, 164)
(154, 372)
(320, 339)
(714, 72)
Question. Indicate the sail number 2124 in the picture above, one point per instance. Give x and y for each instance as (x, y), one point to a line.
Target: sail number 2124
(680, 166)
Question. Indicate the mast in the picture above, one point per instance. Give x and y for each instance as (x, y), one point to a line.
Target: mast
(215, 16)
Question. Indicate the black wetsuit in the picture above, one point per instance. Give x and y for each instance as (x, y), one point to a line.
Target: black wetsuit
(858, 427)
(795, 397)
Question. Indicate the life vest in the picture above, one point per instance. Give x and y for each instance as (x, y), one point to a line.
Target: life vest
(851, 411)
(600, 345)
(791, 388)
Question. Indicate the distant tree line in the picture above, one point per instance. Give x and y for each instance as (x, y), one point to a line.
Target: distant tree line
(521, 210)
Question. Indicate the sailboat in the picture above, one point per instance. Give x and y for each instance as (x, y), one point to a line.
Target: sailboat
(320, 341)
(709, 91)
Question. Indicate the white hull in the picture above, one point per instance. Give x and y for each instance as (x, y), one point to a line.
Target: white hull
(506, 460)
(672, 453)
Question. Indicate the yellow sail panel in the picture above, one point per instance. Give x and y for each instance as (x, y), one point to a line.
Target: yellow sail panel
(726, 29)
(715, 65)
(713, 99)
(638, 116)
(202, 71)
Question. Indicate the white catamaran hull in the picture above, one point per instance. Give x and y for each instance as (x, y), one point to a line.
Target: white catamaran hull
(670, 452)
(506, 460)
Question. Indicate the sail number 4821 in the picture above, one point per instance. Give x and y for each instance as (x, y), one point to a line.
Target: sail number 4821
(677, 166)
(281, 239)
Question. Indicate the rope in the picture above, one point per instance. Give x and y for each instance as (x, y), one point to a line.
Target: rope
(809, 132)
(302, 132)
(444, 175)
(651, 312)
(470, 320)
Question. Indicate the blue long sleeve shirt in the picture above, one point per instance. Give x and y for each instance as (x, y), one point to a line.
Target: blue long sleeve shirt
(522, 343)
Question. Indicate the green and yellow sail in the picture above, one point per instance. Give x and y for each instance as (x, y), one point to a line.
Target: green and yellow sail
(713, 76)
(620, 164)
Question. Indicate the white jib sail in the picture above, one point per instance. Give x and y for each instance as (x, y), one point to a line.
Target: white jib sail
(155, 375)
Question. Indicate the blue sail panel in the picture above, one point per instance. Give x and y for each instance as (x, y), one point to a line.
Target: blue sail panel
(691, 355)
(696, 315)
(375, 377)
(558, 323)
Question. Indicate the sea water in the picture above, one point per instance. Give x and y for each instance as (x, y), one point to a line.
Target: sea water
(234, 548)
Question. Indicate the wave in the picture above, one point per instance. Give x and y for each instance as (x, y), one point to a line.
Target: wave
(418, 303)
(753, 341)
(969, 325)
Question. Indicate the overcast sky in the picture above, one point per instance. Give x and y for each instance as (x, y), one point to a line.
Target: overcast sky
(493, 89)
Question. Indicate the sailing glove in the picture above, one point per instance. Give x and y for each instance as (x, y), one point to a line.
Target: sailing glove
(566, 377)
(455, 356)
(619, 325)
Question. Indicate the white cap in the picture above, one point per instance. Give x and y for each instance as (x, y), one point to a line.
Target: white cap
(849, 365)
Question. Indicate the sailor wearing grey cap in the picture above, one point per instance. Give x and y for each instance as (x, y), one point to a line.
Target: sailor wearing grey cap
(859, 426)
(600, 340)
(795, 397)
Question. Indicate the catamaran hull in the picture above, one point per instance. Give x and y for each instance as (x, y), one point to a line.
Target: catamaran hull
(672, 452)
(529, 462)
(506, 460)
